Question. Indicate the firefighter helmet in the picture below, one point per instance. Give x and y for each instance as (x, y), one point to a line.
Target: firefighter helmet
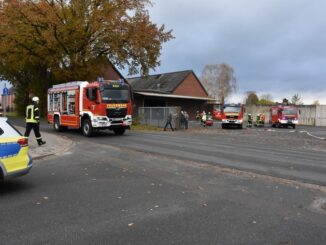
(35, 99)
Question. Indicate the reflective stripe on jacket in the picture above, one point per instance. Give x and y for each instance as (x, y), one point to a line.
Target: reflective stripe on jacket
(32, 114)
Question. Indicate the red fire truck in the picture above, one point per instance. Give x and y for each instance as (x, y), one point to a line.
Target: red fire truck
(90, 106)
(232, 115)
(217, 112)
(283, 116)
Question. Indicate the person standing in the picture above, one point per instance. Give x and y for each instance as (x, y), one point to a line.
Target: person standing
(33, 121)
(168, 121)
(186, 119)
(203, 119)
(182, 119)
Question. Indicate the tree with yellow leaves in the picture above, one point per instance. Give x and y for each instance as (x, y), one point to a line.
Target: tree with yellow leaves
(43, 42)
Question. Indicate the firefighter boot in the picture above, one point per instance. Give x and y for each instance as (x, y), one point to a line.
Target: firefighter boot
(41, 142)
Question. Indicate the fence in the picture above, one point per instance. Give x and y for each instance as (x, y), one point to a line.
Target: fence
(157, 116)
(320, 115)
(308, 115)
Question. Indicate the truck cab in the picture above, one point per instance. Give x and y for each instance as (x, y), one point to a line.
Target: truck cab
(232, 116)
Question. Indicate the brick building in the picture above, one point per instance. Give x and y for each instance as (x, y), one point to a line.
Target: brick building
(8, 100)
(181, 88)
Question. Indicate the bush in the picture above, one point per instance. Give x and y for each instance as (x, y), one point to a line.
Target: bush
(137, 120)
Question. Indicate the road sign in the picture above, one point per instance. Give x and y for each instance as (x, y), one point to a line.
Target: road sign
(5, 91)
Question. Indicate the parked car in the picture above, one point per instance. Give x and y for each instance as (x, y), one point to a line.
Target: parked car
(14, 157)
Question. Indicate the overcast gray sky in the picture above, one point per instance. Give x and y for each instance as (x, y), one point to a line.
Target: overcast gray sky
(274, 46)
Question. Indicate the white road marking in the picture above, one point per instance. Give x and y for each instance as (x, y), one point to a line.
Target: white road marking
(314, 136)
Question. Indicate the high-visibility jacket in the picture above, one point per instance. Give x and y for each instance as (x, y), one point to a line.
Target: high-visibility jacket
(32, 114)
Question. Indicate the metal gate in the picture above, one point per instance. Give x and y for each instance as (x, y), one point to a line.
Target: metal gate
(157, 116)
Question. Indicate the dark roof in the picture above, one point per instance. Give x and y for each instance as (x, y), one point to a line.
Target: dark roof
(161, 83)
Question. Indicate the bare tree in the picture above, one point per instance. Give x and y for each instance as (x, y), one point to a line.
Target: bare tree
(296, 100)
(219, 80)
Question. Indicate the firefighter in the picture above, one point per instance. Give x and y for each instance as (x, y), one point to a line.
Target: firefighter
(33, 121)
(209, 119)
(260, 121)
(250, 120)
(203, 118)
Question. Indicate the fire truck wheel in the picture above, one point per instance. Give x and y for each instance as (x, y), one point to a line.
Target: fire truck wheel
(57, 126)
(119, 131)
(87, 127)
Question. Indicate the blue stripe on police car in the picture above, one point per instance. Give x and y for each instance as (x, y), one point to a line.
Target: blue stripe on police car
(9, 150)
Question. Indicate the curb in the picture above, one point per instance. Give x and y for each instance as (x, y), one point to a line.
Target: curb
(55, 144)
(66, 148)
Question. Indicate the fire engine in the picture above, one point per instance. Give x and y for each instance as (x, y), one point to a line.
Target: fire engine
(90, 106)
(217, 112)
(284, 116)
(232, 115)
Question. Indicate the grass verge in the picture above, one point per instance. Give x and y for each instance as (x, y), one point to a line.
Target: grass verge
(140, 127)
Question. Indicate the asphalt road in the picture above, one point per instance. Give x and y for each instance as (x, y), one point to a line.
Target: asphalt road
(285, 153)
(172, 188)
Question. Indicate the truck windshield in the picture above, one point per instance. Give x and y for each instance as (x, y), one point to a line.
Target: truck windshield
(217, 107)
(115, 95)
(290, 111)
(232, 109)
